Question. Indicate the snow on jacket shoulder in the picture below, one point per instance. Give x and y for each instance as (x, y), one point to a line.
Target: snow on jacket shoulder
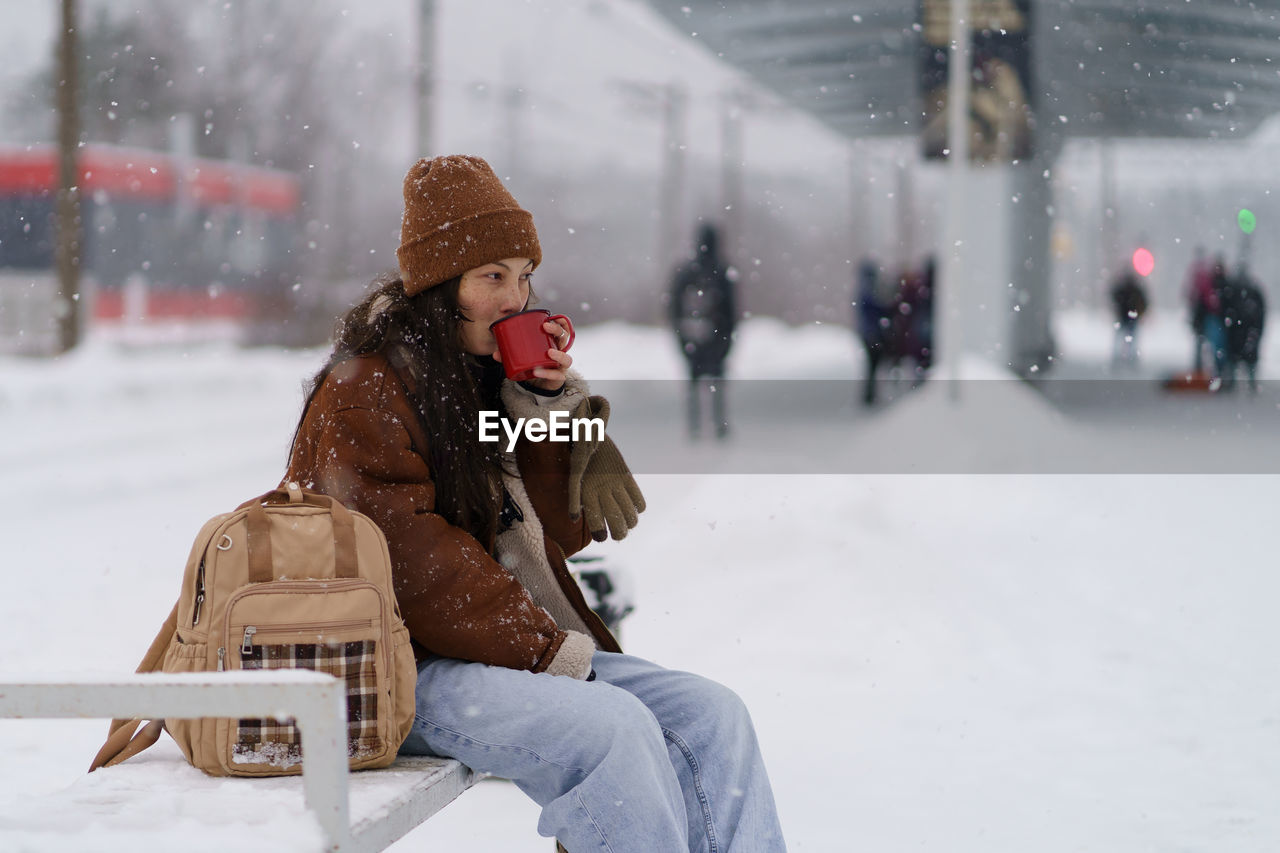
(360, 442)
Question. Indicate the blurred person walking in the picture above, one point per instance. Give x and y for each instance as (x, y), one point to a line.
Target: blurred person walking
(517, 677)
(913, 320)
(1128, 303)
(1215, 330)
(702, 308)
(1244, 313)
(873, 317)
(1201, 302)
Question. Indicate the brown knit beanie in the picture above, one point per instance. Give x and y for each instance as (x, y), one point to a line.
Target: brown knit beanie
(459, 216)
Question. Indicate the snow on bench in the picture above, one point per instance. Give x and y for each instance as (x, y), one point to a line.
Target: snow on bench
(158, 801)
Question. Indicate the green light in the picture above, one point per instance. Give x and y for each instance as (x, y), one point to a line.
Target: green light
(1247, 220)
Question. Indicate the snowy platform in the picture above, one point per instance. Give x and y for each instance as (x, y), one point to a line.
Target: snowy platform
(1017, 661)
(158, 801)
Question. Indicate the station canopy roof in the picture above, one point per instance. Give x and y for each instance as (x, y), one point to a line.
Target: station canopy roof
(1098, 68)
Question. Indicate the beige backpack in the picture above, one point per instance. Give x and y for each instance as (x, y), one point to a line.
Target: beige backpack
(291, 579)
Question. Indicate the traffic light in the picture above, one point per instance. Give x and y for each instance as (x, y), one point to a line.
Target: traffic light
(1246, 220)
(1143, 262)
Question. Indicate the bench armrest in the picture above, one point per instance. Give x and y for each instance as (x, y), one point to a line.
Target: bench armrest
(316, 701)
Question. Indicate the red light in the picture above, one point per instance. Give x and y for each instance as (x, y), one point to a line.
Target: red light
(1143, 262)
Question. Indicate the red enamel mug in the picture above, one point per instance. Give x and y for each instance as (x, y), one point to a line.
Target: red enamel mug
(523, 344)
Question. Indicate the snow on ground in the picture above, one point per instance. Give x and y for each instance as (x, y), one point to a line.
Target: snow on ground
(935, 662)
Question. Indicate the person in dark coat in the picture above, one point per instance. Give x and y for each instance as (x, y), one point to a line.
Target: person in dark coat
(703, 312)
(874, 316)
(913, 320)
(1129, 303)
(1214, 327)
(1244, 311)
(924, 313)
(1202, 304)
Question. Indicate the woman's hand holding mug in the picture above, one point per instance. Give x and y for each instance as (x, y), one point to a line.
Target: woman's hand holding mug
(533, 347)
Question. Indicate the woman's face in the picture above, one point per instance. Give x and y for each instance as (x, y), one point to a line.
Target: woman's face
(489, 293)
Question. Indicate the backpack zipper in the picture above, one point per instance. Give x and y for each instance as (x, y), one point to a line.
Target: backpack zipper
(222, 657)
(195, 615)
(386, 655)
(246, 643)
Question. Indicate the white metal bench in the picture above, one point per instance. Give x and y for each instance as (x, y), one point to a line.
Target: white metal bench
(392, 800)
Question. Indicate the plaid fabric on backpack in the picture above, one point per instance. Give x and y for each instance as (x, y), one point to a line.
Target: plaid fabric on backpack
(289, 580)
(355, 663)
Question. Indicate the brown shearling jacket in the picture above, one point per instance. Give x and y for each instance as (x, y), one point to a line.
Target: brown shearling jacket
(361, 443)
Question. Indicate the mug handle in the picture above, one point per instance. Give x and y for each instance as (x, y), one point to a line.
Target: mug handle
(568, 323)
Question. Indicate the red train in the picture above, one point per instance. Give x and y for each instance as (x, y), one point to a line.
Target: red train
(165, 238)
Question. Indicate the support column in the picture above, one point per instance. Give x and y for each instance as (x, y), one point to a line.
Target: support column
(731, 178)
(950, 339)
(671, 195)
(904, 194)
(1030, 225)
(1110, 223)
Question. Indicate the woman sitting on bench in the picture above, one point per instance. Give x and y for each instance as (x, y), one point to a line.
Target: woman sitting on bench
(517, 677)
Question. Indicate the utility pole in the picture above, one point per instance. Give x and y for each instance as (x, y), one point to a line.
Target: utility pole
(241, 144)
(425, 77)
(67, 306)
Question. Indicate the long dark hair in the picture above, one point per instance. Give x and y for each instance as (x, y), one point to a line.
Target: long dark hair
(421, 336)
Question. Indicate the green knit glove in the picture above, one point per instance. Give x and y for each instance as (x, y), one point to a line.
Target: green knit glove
(600, 484)
(592, 407)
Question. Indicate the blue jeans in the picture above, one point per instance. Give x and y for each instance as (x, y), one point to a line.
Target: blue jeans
(642, 759)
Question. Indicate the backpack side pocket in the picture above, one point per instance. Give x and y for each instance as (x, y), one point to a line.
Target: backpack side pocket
(187, 657)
